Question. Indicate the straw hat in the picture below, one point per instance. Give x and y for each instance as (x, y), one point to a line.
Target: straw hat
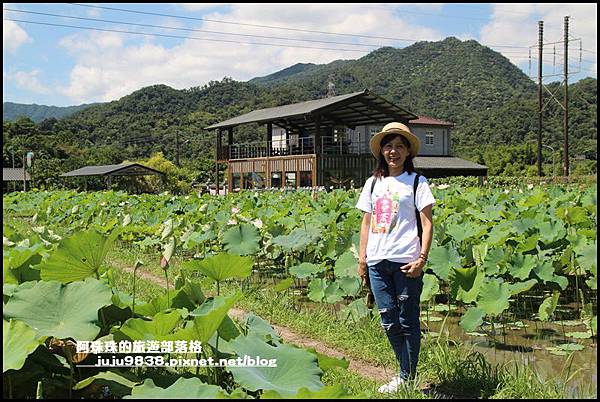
(395, 128)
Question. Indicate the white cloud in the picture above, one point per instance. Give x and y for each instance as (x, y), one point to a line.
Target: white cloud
(13, 36)
(517, 25)
(199, 6)
(29, 81)
(109, 66)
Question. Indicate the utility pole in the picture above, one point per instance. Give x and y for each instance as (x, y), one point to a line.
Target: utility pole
(539, 137)
(177, 151)
(566, 101)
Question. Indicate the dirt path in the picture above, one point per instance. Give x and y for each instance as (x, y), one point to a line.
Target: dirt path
(379, 374)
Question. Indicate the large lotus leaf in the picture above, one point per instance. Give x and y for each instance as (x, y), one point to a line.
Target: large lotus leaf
(461, 278)
(243, 239)
(137, 329)
(261, 328)
(562, 281)
(472, 319)
(494, 262)
(499, 233)
(77, 257)
(521, 265)
(346, 265)
(207, 319)
(327, 392)
(183, 388)
(442, 258)
(316, 289)
(349, 286)
(520, 226)
(62, 311)
(296, 368)
(197, 238)
(527, 242)
(222, 266)
(305, 270)
(493, 297)
(544, 270)
(194, 292)
(466, 282)
(107, 377)
(160, 303)
(8, 276)
(587, 257)
(518, 287)
(283, 285)
(572, 215)
(465, 230)
(551, 231)
(355, 310)
(298, 239)
(21, 254)
(326, 362)
(548, 306)
(333, 293)
(431, 287)
(18, 342)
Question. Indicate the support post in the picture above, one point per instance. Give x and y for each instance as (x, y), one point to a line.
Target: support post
(566, 101)
(539, 136)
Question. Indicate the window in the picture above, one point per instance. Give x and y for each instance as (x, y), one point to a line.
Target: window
(305, 179)
(429, 138)
(290, 179)
(276, 179)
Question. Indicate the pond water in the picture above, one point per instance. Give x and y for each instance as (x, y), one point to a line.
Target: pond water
(524, 341)
(527, 343)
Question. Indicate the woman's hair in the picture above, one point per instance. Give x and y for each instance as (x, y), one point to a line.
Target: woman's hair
(382, 169)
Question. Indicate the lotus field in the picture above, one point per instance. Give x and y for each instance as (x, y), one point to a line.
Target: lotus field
(491, 248)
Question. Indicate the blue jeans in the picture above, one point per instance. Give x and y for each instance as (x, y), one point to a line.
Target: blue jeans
(397, 298)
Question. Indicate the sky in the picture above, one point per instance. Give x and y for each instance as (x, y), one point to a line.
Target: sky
(55, 61)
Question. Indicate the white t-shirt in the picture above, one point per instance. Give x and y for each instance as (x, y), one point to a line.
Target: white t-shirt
(393, 233)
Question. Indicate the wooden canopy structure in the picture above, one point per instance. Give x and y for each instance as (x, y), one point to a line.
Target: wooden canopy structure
(14, 175)
(108, 171)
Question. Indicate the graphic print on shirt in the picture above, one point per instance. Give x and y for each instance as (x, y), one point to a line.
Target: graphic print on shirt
(385, 213)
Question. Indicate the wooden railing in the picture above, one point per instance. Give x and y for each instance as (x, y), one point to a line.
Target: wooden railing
(299, 146)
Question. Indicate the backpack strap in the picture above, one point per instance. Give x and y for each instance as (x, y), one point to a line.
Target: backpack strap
(417, 213)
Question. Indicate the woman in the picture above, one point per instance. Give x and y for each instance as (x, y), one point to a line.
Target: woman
(391, 253)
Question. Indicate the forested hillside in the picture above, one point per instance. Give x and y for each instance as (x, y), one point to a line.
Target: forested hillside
(38, 113)
(492, 102)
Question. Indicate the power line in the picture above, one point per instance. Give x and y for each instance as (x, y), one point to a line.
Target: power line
(189, 29)
(205, 39)
(183, 37)
(265, 26)
(240, 23)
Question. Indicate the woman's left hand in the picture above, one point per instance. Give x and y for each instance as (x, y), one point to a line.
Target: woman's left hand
(414, 269)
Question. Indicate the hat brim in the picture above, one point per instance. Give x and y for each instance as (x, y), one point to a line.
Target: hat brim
(375, 143)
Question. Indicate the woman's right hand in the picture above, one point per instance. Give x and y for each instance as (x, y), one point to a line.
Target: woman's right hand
(363, 269)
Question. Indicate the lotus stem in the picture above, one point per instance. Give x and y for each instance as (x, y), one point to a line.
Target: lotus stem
(168, 299)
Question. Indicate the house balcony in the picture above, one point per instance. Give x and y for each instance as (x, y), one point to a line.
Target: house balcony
(330, 145)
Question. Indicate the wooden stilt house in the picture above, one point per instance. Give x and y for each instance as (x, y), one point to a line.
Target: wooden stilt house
(323, 142)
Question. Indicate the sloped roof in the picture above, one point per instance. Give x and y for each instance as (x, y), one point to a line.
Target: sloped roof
(14, 174)
(445, 162)
(430, 121)
(123, 169)
(354, 109)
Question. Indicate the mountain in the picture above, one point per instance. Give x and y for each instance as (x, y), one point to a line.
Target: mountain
(38, 113)
(283, 74)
